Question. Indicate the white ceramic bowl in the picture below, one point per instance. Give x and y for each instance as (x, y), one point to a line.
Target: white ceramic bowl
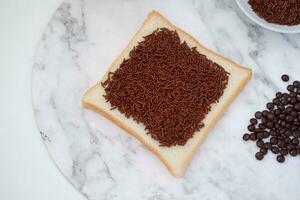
(246, 8)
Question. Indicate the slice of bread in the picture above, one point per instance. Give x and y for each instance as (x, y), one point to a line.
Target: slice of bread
(176, 158)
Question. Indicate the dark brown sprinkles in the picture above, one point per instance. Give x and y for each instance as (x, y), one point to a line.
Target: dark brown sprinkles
(167, 86)
(283, 12)
(277, 129)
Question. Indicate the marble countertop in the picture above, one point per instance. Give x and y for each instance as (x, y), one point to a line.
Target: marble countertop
(102, 161)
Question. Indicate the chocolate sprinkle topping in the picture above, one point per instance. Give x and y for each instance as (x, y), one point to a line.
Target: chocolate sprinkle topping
(283, 12)
(167, 86)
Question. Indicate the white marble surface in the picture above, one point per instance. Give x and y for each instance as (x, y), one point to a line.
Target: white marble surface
(101, 160)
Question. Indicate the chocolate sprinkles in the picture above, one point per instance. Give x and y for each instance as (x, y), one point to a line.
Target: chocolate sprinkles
(167, 86)
(283, 12)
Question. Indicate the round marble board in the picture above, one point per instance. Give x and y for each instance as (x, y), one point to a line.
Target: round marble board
(101, 160)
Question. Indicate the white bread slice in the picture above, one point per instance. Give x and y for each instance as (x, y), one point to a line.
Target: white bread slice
(176, 158)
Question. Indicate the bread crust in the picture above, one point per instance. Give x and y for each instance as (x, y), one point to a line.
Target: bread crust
(128, 130)
(247, 72)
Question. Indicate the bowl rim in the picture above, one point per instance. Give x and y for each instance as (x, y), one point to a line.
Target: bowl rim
(264, 24)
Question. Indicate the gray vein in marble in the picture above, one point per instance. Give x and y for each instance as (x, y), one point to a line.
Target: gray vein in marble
(45, 137)
(75, 28)
(108, 172)
(39, 66)
(78, 175)
(290, 41)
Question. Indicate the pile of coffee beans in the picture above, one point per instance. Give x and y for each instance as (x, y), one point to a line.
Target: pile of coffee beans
(277, 128)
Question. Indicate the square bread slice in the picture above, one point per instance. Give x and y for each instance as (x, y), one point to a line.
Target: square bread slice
(175, 158)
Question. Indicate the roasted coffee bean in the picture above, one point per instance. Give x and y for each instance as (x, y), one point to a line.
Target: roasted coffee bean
(270, 116)
(279, 137)
(267, 145)
(291, 146)
(260, 135)
(270, 106)
(253, 121)
(275, 150)
(273, 133)
(294, 114)
(297, 106)
(298, 91)
(281, 107)
(288, 126)
(273, 140)
(259, 143)
(296, 133)
(289, 118)
(264, 120)
(282, 131)
(296, 84)
(278, 94)
(295, 141)
(257, 130)
(284, 101)
(246, 136)
(293, 152)
(277, 126)
(284, 152)
(276, 101)
(259, 155)
(265, 113)
(288, 133)
(293, 100)
(285, 95)
(262, 126)
(251, 127)
(289, 109)
(283, 123)
(270, 124)
(282, 116)
(281, 143)
(280, 127)
(293, 95)
(298, 148)
(258, 115)
(277, 111)
(253, 136)
(287, 140)
(263, 150)
(266, 134)
(290, 88)
(285, 78)
(280, 158)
